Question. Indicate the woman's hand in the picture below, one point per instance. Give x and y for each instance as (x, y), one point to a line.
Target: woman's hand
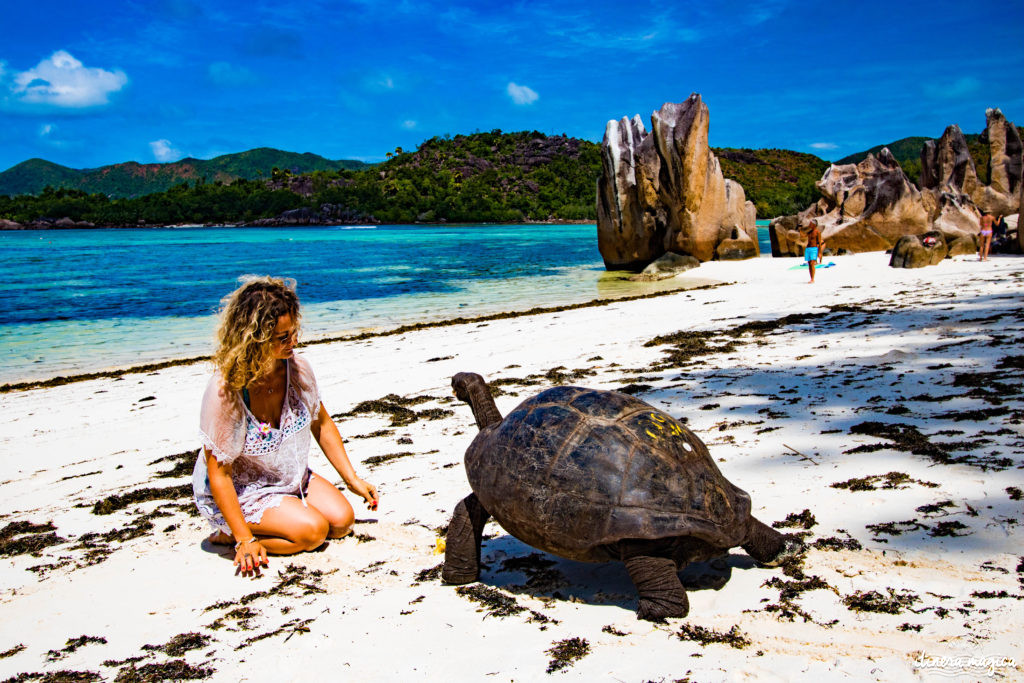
(366, 490)
(250, 556)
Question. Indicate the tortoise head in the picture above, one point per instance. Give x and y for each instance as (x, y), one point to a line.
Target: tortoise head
(471, 388)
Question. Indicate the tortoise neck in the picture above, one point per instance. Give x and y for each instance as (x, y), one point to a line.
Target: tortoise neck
(482, 403)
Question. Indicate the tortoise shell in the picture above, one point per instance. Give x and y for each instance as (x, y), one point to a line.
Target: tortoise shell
(573, 470)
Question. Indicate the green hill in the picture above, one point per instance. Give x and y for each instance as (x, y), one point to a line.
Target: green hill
(132, 179)
(491, 176)
(778, 181)
(29, 177)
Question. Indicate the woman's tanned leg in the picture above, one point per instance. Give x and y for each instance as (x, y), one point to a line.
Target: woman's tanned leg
(291, 527)
(332, 504)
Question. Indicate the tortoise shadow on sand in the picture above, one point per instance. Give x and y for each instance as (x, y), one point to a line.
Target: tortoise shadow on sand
(511, 565)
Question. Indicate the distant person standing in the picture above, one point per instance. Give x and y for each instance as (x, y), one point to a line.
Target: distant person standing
(815, 244)
(987, 220)
(999, 230)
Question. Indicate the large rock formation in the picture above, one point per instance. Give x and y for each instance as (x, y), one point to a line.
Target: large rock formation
(948, 169)
(863, 207)
(946, 163)
(663, 191)
(948, 177)
(1002, 195)
(868, 206)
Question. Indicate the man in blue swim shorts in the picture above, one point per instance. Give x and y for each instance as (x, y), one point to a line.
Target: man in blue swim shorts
(815, 244)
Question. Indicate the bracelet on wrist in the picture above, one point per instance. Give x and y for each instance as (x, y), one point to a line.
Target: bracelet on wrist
(241, 543)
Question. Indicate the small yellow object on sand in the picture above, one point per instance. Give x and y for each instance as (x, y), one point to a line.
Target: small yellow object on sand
(439, 546)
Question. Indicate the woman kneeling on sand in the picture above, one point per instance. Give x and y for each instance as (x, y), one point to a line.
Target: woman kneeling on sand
(251, 480)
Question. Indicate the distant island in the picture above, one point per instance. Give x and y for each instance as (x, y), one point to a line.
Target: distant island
(132, 179)
(482, 177)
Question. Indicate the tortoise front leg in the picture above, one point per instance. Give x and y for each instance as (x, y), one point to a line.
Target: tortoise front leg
(660, 592)
(462, 545)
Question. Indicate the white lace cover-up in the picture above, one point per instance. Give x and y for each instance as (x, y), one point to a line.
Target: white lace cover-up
(267, 464)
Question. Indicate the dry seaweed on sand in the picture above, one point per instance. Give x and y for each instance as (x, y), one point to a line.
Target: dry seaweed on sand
(734, 637)
(13, 651)
(112, 504)
(686, 345)
(634, 389)
(180, 644)
(949, 529)
(891, 480)
(291, 627)
(376, 460)
(932, 509)
(430, 574)
(73, 644)
(909, 439)
(56, 677)
(242, 617)
(371, 435)
(565, 653)
(835, 543)
(874, 601)
(21, 538)
(173, 670)
(183, 464)
(98, 546)
(613, 631)
(802, 520)
(894, 528)
(789, 591)
(493, 602)
(398, 409)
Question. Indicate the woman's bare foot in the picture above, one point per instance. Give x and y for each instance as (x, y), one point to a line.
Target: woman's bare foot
(221, 538)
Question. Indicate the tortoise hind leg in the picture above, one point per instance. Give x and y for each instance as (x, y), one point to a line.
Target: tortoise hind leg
(661, 594)
(462, 546)
(768, 546)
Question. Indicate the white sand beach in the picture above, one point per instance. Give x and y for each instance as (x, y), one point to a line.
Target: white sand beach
(921, 558)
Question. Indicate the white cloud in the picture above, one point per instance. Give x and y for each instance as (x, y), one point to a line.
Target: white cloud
(163, 151)
(408, 124)
(223, 73)
(49, 134)
(521, 94)
(824, 145)
(62, 81)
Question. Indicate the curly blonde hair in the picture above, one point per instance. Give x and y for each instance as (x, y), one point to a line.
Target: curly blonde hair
(247, 321)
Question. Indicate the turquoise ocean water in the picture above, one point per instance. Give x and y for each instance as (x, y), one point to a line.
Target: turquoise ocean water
(74, 301)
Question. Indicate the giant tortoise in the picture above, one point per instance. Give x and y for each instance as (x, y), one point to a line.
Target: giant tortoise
(596, 476)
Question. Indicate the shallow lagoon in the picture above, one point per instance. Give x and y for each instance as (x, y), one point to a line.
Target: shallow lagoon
(74, 301)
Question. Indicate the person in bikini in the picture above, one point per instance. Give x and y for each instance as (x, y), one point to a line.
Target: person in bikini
(987, 220)
(261, 409)
(815, 243)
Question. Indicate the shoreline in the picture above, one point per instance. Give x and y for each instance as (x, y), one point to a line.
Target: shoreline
(62, 380)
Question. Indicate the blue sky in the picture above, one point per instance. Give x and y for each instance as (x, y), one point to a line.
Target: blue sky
(86, 84)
